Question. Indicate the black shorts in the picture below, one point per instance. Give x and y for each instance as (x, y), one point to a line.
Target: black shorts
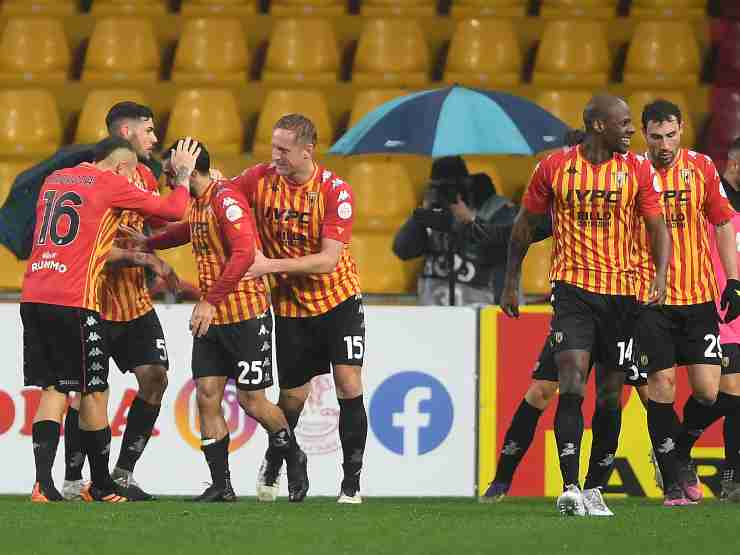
(591, 322)
(307, 347)
(139, 342)
(242, 351)
(730, 358)
(64, 347)
(670, 335)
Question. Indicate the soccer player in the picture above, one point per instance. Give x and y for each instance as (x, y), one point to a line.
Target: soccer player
(64, 343)
(231, 324)
(304, 216)
(595, 192)
(134, 334)
(685, 331)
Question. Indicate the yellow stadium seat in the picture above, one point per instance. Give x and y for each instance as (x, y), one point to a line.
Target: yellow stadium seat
(489, 8)
(11, 271)
(39, 7)
(211, 51)
(381, 271)
(536, 269)
(29, 123)
(34, 49)
(8, 172)
(579, 8)
(302, 51)
(183, 262)
(122, 49)
(392, 52)
(662, 54)
(91, 125)
(366, 101)
(229, 8)
(280, 102)
(572, 53)
(411, 8)
(308, 7)
(637, 102)
(385, 181)
(669, 8)
(567, 105)
(211, 115)
(484, 53)
(129, 7)
(484, 164)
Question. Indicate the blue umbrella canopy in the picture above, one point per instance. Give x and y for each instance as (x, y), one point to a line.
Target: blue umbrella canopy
(452, 121)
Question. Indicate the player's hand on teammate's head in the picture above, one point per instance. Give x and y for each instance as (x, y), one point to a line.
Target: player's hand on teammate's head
(215, 174)
(658, 290)
(259, 267)
(130, 238)
(510, 302)
(203, 314)
(182, 160)
(731, 300)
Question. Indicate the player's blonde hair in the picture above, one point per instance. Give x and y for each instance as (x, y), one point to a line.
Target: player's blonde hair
(304, 129)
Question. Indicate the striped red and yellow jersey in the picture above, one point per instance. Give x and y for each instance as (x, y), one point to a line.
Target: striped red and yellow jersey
(221, 230)
(692, 197)
(292, 219)
(595, 208)
(77, 218)
(124, 295)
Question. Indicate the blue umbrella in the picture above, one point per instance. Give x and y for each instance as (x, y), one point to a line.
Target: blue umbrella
(452, 121)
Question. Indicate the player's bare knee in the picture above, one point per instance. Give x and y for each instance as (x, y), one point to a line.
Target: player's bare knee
(152, 383)
(293, 399)
(705, 396)
(254, 403)
(348, 381)
(540, 393)
(572, 380)
(662, 386)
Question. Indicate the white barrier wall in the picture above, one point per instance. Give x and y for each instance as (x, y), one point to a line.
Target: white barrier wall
(420, 380)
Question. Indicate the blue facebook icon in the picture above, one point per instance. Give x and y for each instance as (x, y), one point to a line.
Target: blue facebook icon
(411, 413)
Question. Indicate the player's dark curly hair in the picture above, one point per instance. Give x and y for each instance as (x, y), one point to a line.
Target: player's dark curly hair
(660, 110)
(107, 146)
(122, 111)
(202, 163)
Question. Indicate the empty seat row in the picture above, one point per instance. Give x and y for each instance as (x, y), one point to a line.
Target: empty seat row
(416, 8)
(30, 123)
(483, 52)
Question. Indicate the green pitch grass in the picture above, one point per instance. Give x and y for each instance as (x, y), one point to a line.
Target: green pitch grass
(382, 526)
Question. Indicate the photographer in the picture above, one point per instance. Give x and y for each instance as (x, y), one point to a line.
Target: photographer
(461, 217)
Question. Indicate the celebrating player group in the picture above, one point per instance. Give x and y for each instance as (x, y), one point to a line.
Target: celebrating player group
(272, 240)
(640, 242)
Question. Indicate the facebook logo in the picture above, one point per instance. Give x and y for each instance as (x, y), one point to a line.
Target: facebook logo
(411, 413)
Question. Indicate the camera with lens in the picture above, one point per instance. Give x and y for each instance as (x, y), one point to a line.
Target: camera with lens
(473, 190)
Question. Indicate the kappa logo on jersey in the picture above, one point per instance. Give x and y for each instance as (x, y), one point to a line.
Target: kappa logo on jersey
(343, 195)
(93, 336)
(263, 330)
(267, 362)
(411, 413)
(265, 347)
(96, 380)
(325, 175)
(94, 352)
(91, 321)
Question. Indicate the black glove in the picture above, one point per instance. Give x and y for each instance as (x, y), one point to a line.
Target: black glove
(731, 300)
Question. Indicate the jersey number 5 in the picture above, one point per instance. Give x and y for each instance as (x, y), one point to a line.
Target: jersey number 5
(55, 210)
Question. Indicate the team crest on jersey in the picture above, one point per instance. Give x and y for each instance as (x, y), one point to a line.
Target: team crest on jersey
(686, 174)
(644, 361)
(620, 178)
(312, 196)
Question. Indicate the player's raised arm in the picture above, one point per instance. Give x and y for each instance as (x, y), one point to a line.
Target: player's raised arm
(535, 205)
(128, 196)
